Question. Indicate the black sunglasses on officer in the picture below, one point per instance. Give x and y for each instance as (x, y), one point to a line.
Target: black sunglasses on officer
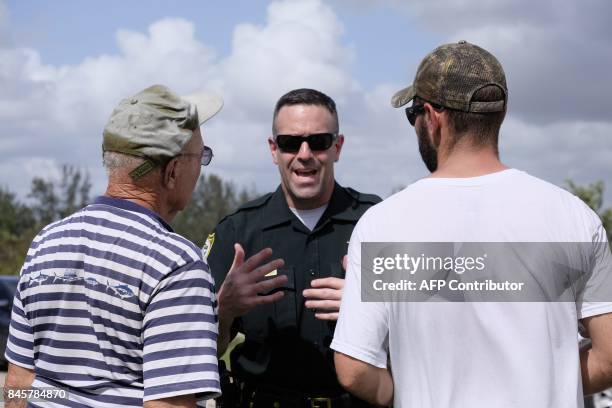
(317, 142)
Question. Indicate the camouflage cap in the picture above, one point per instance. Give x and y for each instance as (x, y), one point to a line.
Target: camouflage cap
(155, 124)
(450, 76)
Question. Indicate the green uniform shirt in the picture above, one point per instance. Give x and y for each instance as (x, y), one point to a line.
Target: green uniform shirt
(285, 345)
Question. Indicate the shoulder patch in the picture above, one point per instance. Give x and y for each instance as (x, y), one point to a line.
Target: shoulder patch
(210, 240)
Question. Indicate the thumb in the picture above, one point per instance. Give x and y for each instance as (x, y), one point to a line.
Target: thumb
(344, 262)
(238, 256)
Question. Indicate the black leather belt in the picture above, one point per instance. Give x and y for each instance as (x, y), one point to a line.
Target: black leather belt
(260, 398)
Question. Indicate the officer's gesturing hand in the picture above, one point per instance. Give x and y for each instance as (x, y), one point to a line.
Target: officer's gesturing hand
(325, 296)
(244, 288)
(245, 283)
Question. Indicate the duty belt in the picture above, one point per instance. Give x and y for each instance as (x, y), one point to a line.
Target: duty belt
(274, 399)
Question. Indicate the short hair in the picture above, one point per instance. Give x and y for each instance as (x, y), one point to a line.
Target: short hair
(305, 96)
(115, 162)
(483, 127)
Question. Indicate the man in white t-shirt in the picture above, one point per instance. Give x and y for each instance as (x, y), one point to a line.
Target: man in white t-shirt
(522, 353)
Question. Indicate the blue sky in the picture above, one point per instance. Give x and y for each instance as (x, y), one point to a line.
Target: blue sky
(65, 64)
(55, 31)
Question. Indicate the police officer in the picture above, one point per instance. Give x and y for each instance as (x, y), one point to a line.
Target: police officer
(285, 360)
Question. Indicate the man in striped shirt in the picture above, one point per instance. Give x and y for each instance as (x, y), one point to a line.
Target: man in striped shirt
(112, 306)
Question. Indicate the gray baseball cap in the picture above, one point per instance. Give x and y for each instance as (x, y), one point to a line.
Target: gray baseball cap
(156, 123)
(450, 76)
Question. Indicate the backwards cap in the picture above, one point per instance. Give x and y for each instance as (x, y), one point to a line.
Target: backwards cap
(450, 76)
(155, 124)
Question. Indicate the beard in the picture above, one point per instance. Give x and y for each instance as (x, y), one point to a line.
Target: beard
(429, 154)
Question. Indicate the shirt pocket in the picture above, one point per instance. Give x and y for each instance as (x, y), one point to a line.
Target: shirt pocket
(285, 310)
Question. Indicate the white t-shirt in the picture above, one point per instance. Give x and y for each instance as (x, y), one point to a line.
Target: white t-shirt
(485, 355)
(309, 217)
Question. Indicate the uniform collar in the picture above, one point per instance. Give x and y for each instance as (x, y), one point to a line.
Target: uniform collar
(277, 211)
(342, 206)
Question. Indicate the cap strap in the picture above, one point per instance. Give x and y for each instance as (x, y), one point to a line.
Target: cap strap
(484, 107)
(143, 169)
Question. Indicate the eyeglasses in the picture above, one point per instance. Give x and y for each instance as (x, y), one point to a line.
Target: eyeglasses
(415, 110)
(316, 142)
(205, 156)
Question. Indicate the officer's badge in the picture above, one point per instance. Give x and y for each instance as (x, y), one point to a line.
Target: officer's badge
(210, 240)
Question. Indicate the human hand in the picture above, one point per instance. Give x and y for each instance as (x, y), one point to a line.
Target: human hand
(240, 291)
(325, 296)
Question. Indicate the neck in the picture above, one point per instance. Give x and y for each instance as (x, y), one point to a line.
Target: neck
(147, 198)
(468, 161)
(307, 203)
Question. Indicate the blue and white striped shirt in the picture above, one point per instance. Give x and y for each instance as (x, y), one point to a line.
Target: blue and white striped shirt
(117, 308)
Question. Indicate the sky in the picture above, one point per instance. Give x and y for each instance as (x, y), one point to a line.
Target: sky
(64, 65)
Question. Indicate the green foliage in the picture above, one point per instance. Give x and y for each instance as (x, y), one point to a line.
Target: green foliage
(212, 200)
(50, 202)
(15, 218)
(17, 228)
(592, 195)
(53, 202)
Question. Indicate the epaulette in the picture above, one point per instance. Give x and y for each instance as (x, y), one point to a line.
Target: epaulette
(363, 198)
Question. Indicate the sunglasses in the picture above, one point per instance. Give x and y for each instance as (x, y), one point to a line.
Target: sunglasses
(415, 110)
(316, 142)
(205, 156)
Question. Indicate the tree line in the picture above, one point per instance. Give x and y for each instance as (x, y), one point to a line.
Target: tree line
(213, 199)
(48, 201)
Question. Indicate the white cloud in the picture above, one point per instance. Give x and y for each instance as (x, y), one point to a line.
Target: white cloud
(59, 111)
(556, 53)
(298, 47)
(579, 150)
(17, 172)
(53, 115)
